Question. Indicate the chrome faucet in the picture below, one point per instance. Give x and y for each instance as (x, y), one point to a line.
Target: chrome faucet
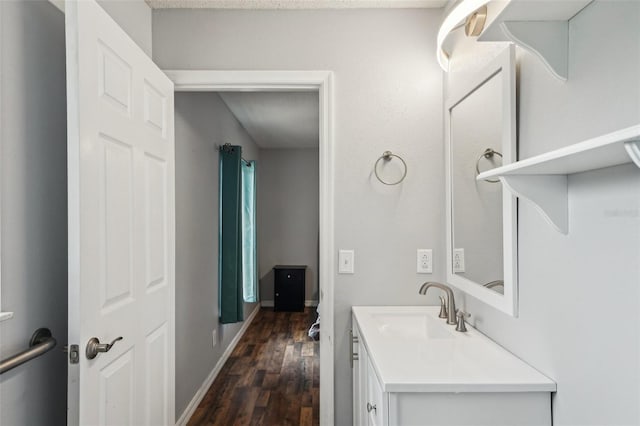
(451, 303)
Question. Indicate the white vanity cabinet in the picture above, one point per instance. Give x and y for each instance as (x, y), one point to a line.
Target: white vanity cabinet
(370, 402)
(411, 369)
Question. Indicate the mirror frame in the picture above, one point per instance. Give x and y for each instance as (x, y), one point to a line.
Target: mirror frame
(504, 66)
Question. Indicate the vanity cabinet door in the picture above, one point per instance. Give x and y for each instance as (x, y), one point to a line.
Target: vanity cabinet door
(360, 360)
(288, 285)
(376, 404)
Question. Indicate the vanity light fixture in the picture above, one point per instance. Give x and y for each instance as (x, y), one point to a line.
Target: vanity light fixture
(467, 9)
(474, 24)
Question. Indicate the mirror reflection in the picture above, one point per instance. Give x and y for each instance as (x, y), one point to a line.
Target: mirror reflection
(476, 139)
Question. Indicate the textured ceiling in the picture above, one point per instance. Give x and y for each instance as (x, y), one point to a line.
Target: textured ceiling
(277, 120)
(293, 4)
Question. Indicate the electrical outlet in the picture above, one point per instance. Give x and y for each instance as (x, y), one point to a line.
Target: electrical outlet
(458, 260)
(345, 261)
(214, 338)
(425, 261)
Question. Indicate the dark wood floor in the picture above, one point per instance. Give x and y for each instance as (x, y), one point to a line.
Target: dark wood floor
(271, 378)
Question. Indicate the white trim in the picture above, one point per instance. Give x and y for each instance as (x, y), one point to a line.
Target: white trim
(503, 65)
(322, 81)
(247, 81)
(202, 391)
(270, 303)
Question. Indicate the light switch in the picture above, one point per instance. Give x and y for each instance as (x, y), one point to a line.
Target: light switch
(345, 261)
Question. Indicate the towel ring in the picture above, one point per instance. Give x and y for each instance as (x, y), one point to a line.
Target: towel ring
(488, 153)
(387, 156)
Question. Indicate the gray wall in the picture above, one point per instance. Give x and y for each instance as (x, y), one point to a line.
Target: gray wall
(202, 121)
(34, 208)
(579, 294)
(388, 96)
(579, 319)
(134, 17)
(33, 197)
(288, 214)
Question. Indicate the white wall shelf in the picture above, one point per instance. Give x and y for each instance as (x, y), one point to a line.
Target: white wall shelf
(544, 31)
(5, 316)
(543, 179)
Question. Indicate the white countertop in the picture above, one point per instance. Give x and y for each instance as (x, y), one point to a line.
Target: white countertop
(412, 350)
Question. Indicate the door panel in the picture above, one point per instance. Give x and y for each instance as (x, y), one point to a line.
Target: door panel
(155, 188)
(116, 391)
(156, 403)
(114, 79)
(121, 224)
(116, 208)
(155, 108)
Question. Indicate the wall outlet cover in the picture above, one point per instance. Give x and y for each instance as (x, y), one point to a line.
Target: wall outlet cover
(458, 260)
(424, 261)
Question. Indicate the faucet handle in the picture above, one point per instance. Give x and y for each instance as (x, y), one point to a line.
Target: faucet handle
(461, 315)
(443, 308)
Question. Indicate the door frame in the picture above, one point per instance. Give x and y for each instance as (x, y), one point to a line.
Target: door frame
(291, 81)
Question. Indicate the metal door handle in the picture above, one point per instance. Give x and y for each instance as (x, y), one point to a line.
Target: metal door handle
(94, 347)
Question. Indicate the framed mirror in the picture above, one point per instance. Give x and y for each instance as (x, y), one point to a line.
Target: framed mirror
(480, 134)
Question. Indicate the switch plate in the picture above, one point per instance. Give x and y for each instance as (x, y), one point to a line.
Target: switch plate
(214, 338)
(458, 260)
(345, 261)
(424, 261)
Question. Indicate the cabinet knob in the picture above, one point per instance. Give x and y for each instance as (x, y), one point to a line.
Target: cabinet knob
(277, 294)
(371, 408)
(288, 275)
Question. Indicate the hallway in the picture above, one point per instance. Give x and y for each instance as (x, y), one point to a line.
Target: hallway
(271, 378)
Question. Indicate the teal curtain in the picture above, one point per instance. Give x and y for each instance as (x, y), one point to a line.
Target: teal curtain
(230, 236)
(249, 249)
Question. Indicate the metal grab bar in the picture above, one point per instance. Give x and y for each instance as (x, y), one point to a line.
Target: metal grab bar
(41, 342)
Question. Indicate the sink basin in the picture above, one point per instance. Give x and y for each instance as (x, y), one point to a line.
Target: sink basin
(410, 325)
(412, 350)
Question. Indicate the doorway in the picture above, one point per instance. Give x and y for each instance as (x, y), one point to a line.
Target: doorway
(292, 81)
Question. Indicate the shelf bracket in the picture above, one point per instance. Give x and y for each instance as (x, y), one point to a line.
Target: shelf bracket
(633, 149)
(548, 40)
(548, 193)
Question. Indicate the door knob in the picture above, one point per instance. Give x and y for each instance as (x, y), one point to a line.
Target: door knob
(94, 347)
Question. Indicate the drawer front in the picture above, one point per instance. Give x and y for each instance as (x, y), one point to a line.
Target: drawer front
(289, 275)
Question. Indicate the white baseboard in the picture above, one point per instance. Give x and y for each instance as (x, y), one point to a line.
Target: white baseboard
(195, 401)
(270, 304)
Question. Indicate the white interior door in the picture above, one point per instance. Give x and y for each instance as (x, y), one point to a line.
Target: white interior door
(121, 225)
